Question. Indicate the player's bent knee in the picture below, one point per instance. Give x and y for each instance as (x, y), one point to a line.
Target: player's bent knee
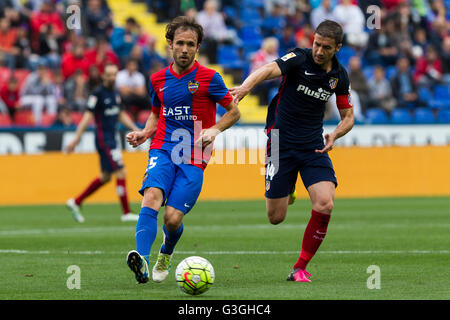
(276, 216)
(172, 218)
(324, 206)
(153, 198)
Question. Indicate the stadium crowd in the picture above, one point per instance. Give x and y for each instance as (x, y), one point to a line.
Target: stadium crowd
(397, 53)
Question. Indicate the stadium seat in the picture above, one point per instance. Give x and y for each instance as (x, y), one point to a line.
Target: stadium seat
(21, 75)
(5, 120)
(401, 116)
(423, 116)
(344, 55)
(390, 72)
(444, 116)
(76, 117)
(251, 17)
(24, 118)
(376, 116)
(424, 94)
(253, 3)
(228, 56)
(441, 97)
(251, 35)
(368, 72)
(48, 119)
(5, 73)
(143, 116)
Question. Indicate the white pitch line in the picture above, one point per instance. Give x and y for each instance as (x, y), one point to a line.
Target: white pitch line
(98, 252)
(131, 229)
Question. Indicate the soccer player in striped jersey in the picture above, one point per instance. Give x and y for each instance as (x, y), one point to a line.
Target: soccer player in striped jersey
(183, 127)
(104, 106)
(295, 119)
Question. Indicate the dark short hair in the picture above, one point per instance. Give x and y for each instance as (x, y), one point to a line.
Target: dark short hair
(184, 23)
(330, 29)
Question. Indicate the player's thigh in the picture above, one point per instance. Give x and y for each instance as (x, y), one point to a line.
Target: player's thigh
(186, 187)
(281, 176)
(319, 179)
(110, 159)
(160, 172)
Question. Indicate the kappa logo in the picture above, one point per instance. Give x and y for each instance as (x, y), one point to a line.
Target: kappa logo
(193, 86)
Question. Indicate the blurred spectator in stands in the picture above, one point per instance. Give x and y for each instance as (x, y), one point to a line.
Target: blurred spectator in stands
(364, 4)
(321, 13)
(403, 86)
(74, 60)
(391, 5)
(131, 85)
(101, 54)
(287, 6)
(142, 37)
(5, 4)
(286, 40)
(298, 19)
(9, 94)
(16, 16)
(359, 82)
(428, 70)
(438, 23)
(274, 21)
(214, 28)
(304, 36)
(94, 78)
(123, 40)
(352, 20)
(22, 49)
(8, 37)
(267, 53)
(406, 20)
(47, 15)
(420, 42)
(98, 19)
(38, 92)
(76, 91)
(50, 46)
(151, 55)
(141, 56)
(380, 92)
(64, 119)
(59, 88)
(382, 45)
(445, 54)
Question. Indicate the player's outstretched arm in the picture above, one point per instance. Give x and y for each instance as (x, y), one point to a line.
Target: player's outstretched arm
(138, 137)
(343, 127)
(87, 117)
(266, 72)
(230, 117)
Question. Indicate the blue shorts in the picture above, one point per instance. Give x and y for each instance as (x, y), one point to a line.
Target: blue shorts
(110, 159)
(181, 183)
(281, 175)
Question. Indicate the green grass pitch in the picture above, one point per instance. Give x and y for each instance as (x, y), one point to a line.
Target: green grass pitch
(407, 238)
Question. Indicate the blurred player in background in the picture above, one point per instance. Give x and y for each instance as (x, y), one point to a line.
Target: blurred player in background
(182, 124)
(104, 106)
(295, 115)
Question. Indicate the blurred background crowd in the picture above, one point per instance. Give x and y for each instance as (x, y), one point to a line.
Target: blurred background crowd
(397, 54)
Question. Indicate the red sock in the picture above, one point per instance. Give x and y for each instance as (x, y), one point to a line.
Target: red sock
(122, 193)
(314, 234)
(93, 186)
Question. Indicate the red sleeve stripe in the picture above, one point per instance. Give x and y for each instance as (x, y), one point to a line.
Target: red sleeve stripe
(225, 101)
(344, 101)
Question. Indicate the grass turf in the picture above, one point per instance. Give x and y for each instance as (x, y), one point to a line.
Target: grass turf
(408, 238)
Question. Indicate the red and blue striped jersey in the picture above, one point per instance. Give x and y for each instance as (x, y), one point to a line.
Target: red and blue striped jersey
(186, 104)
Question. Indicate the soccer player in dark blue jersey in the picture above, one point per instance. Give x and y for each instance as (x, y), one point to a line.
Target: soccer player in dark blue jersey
(183, 127)
(295, 120)
(104, 106)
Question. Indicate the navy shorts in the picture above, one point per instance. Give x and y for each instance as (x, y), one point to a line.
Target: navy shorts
(181, 183)
(110, 159)
(281, 175)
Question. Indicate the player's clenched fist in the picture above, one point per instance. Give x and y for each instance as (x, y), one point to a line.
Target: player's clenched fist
(136, 138)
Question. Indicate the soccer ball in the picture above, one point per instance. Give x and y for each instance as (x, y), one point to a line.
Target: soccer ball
(194, 275)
